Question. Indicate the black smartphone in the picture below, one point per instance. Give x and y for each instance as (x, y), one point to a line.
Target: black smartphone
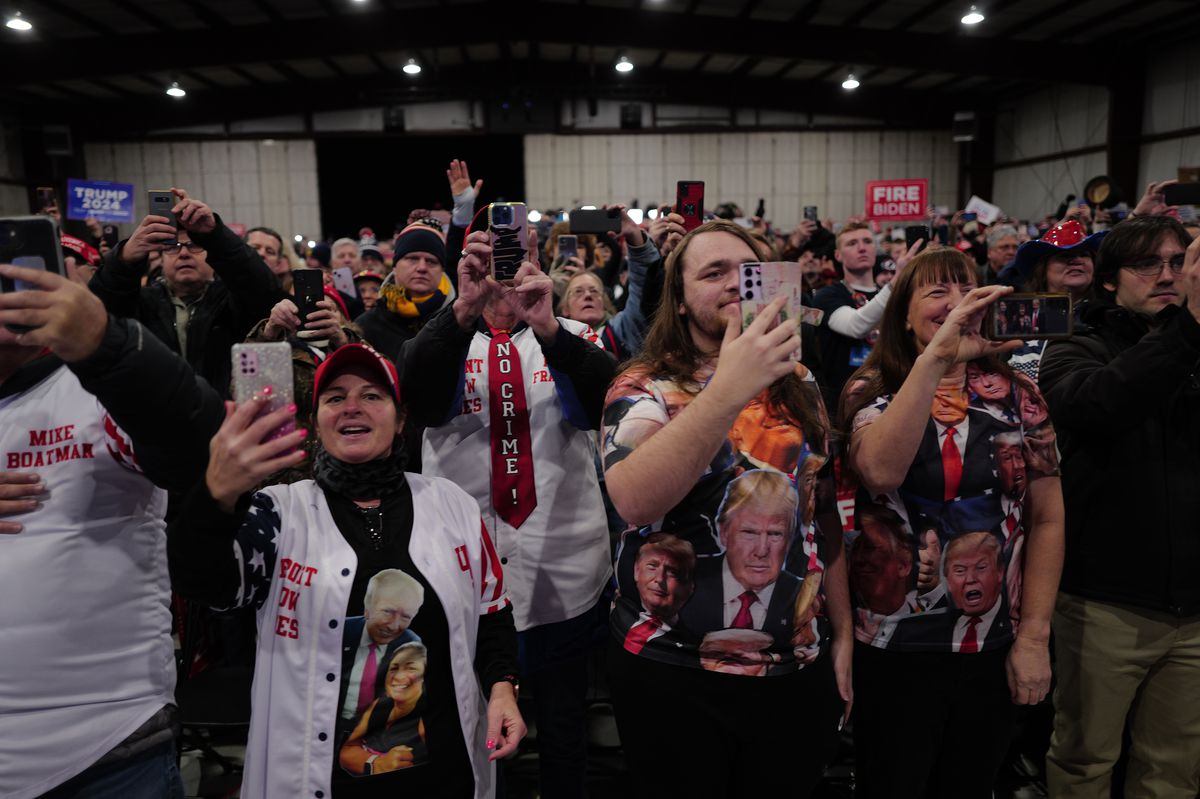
(1030, 316)
(604, 220)
(689, 203)
(160, 203)
(761, 210)
(969, 217)
(110, 235)
(568, 246)
(309, 285)
(32, 242)
(810, 213)
(1182, 194)
(915, 233)
(46, 199)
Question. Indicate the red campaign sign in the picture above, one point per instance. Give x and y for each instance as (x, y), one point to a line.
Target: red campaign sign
(897, 199)
(238, 229)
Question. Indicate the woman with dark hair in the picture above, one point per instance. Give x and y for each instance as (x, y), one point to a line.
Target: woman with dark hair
(1060, 262)
(920, 438)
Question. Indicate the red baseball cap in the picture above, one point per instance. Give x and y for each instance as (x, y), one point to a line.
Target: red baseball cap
(350, 355)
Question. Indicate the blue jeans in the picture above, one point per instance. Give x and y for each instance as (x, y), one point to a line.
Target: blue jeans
(554, 662)
(154, 774)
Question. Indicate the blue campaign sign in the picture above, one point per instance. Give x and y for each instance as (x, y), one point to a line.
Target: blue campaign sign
(100, 200)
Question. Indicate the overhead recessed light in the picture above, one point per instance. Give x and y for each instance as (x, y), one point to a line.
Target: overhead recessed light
(972, 17)
(623, 65)
(412, 67)
(18, 23)
(850, 82)
(175, 90)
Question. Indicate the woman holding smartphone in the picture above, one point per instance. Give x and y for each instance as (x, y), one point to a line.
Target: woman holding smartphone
(956, 562)
(383, 623)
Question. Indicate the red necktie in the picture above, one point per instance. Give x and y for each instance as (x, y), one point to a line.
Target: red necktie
(970, 644)
(743, 620)
(1011, 523)
(366, 688)
(952, 465)
(513, 494)
(640, 633)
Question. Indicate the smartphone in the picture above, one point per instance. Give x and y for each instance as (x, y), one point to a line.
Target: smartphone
(568, 247)
(604, 220)
(1030, 316)
(46, 198)
(810, 213)
(510, 239)
(970, 217)
(689, 203)
(261, 364)
(762, 282)
(32, 242)
(915, 233)
(309, 288)
(160, 203)
(761, 210)
(110, 235)
(343, 281)
(1182, 194)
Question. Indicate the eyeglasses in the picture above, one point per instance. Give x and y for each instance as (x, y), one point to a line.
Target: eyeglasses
(174, 249)
(1152, 267)
(584, 291)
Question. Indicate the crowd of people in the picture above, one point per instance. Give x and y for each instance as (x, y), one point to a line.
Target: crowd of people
(882, 513)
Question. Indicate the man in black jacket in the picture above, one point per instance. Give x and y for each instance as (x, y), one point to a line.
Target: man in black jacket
(1123, 397)
(196, 315)
(96, 418)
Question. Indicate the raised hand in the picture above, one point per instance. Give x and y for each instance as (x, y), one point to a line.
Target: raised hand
(193, 215)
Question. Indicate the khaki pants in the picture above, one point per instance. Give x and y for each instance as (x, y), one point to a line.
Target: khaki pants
(1115, 664)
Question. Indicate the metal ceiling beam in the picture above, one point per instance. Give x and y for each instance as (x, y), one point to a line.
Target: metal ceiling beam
(385, 29)
(136, 116)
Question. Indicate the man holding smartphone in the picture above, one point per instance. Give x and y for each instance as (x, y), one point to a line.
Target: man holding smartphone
(512, 395)
(1122, 395)
(853, 307)
(214, 289)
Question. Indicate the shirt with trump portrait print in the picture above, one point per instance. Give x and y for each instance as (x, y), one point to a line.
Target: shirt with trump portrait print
(730, 579)
(937, 565)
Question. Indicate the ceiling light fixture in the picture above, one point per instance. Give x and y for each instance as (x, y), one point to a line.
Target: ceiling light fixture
(850, 83)
(175, 90)
(412, 67)
(623, 65)
(18, 23)
(972, 17)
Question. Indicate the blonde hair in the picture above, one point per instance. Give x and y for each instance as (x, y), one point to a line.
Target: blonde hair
(763, 489)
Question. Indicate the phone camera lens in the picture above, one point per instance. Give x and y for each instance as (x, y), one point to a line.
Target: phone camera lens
(749, 295)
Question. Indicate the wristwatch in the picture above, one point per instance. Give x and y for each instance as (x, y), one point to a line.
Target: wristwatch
(368, 767)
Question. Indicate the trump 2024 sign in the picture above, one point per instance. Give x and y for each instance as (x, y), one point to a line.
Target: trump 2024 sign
(897, 199)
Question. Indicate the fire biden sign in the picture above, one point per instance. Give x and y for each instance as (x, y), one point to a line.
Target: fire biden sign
(897, 199)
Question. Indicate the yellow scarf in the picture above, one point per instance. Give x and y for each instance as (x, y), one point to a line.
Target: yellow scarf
(399, 302)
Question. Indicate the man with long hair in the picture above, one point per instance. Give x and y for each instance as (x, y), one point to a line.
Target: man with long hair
(669, 458)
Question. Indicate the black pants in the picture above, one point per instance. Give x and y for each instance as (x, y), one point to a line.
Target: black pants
(929, 725)
(694, 733)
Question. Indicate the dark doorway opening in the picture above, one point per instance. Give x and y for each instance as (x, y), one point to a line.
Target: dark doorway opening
(375, 182)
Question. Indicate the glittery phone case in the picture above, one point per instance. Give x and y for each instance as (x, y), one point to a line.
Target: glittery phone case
(261, 364)
(762, 282)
